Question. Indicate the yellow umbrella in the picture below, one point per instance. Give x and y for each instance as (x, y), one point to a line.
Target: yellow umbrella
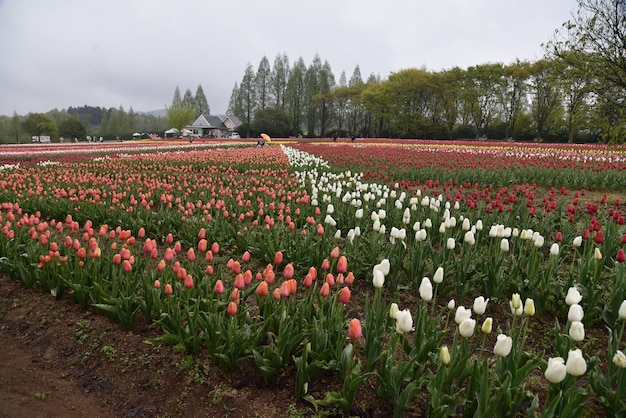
(266, 137)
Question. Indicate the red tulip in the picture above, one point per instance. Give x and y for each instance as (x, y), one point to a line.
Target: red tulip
(599, 239)
(621, 257)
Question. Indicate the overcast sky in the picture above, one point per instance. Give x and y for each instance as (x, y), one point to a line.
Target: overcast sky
(61, 53)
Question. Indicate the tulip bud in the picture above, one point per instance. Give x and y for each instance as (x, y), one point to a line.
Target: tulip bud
(462, 314)
(575, 313)
(597, 254)
(554, 249)
(466, 328)
(577, 331)
(529, 307)
(480, 305)
(516, 301)
(573, 296)
(393, 310)
(354, 331)
(426, 289)
(556, 371)
(450, 244)
(444, 355)
(487, 325)
(438, 277)
(504, 245)
(578, 241)
(451, 304)
(379, 278)
(576, 364)
(503, 345)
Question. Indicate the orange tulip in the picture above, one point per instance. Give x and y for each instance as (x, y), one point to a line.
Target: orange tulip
(203, 245)
(278, 257)
(188, 282)
(168, 289)
(117, 258)
(161, 265)
(219, 287)
(288, 272)
(325, 264)
(354, 329)
(245, 257)
(344, 295)
(325, 290)
(209, 270)
(239, 281)
(330, 279)
(232, 309)
(308, 280)
(334, 254)
(215, 248)
(262, 289)
(127, 267)
(191, 255)
(342, 265)
(157, 284)
(350, 278)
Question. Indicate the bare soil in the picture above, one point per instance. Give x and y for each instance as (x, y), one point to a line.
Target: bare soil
(61, 361)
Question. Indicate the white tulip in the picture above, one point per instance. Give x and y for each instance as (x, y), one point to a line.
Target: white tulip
(577, 331)
(503, 345)
(438, 277)
(556, 371)
(554, 249)
(578, 241)
(393, 310)
(469, 238)
(573, 296)
(487, 325)
(575, 313)
(466, 328)
(576, 364)
(426, 289)
(404, 321)
(480, 305)
(451, 304)
(379, 278)
(504, 245)
(450, 244)
(619, 359)
(462, 314)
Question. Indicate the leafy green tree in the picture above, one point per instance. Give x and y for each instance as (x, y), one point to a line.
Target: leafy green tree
(593, 42)
(513, 93)
(262, 82)
(272, 121)
(15, 126)
(545, 97)
(180, 116)
(294, 96)
(188, 100)
(247, 97)
(235, 106)
(72, 128)
(38, 124)
(481, 87)
(177, 99)
(200, 102)
(278, 81)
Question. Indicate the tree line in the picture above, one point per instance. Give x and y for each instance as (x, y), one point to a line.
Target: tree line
(575, 93)
(79, 122)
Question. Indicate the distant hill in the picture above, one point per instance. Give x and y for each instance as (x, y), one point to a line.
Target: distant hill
(159, 113)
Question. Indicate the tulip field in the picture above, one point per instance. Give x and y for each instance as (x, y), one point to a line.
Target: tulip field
(442, 278)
